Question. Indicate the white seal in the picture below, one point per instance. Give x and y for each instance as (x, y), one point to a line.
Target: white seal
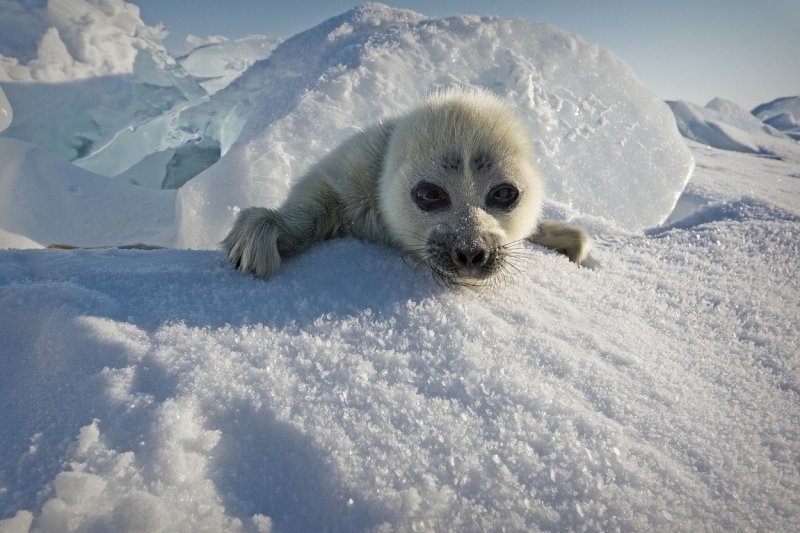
(452, 183)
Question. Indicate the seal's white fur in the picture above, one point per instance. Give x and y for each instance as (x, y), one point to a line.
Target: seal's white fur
(464, 141)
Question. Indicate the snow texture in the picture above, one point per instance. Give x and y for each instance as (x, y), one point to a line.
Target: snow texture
(164, 391)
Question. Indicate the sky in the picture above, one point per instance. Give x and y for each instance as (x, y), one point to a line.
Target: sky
(744, 50)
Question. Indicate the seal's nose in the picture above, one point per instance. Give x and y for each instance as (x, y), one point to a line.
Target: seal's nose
(469, 257)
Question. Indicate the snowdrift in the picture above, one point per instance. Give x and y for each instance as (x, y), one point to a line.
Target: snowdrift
(723, 124)
(782, 114)
(45, 201)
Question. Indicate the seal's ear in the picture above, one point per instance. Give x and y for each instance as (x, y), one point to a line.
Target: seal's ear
(569, 240)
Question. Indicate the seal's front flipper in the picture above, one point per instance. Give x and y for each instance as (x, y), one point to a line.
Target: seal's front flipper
(569, 240)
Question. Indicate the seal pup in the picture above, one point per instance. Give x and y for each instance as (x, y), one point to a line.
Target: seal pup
(453, 183)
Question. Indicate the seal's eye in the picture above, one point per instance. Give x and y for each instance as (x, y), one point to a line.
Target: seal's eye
(428, 196)
(503, 196)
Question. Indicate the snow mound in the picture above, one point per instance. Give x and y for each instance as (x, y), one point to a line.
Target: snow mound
(65, 40)
(782, 114)
(146, 390)
(44, 200)
(220, 61)
(606, 145)
(723, 124)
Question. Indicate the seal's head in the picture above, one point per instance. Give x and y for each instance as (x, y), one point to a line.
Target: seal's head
(460, 184)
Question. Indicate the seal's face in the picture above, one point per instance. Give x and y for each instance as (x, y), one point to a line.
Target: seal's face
(460, 188)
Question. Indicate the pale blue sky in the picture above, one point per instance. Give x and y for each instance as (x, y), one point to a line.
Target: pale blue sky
(745, 51)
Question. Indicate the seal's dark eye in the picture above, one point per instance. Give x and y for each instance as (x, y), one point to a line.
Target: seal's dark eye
(503, 196)
(428, 196)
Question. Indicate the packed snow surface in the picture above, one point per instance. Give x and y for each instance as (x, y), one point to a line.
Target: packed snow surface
(164, 391)
(46, 201)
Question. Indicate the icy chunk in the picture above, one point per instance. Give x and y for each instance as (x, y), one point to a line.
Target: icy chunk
(188, 161)
(220, 61)
(66, 40)
(107, 92)
(6, 114)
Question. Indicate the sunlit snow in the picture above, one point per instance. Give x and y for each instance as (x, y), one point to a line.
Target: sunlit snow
(723, 124)
(164, 391)
(782, 114)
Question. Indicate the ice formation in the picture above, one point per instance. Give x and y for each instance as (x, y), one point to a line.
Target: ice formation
(723, 124)
(105, 96)
(782, 114)
(68, 40)
(219, 61)
(6, 113)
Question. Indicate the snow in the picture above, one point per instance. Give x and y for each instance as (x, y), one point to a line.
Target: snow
(782, 114)
(219, 61)
(164, 391)
(45, 200)
(723, 124)
(66, 40)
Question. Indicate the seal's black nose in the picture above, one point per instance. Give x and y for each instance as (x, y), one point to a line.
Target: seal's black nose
(469, 257)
